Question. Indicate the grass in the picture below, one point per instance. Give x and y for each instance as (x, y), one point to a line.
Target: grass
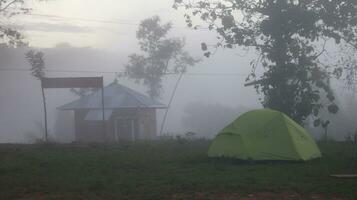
(163, 170)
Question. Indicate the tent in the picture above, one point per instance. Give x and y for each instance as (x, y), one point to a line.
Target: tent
(264, 134)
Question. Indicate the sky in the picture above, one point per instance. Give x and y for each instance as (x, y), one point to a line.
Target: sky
(106, 24)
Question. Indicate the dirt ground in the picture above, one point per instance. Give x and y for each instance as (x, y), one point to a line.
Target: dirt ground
(255, 196)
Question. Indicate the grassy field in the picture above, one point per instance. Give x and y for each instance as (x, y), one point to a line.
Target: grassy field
(167, 170)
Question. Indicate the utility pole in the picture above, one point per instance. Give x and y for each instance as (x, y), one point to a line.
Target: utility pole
(45, 112)
(103, 112)
(168, 106)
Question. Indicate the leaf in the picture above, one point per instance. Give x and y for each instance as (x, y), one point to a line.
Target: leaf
(317, 122)
(210, 27)
(204, 46)
(315, 111)
(325, 123)
(228, 21)
(213, 15)
(330, 96)
(230, 46)
(207, 54)
(338, 72)
(333, 108)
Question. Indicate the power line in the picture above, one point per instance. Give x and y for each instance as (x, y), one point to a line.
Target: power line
(60, 71)
(117, 72)
(84, 19)
(121, 72)
(116, 21)
(169, 104)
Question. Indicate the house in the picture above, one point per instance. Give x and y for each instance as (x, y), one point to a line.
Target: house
(128, 115)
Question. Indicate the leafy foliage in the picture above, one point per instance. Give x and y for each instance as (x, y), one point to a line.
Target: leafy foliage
(160, 55)
(35, 58)
(10, 37)
(82, 91)
(290, 36)
(346, 67)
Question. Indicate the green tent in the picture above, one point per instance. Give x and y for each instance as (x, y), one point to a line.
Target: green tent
(264, 134)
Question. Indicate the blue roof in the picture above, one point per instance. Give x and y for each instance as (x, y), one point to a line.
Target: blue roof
(115, 96)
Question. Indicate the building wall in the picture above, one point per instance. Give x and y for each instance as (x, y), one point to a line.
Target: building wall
(148, 123)
(145, 122)
(89, 131)
(92, 131)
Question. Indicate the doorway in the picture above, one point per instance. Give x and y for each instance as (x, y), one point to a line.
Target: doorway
(126, 129)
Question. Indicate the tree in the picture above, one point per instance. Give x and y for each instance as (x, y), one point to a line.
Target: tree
(160, 55)
(10, 37)
(35, 58)
(346, 67)
(290, 36)
(81, 92)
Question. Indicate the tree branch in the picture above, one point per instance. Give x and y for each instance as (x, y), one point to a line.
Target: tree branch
(322, 51)
(9, 4)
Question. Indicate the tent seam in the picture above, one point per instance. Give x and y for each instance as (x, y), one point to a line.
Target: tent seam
(291, 137)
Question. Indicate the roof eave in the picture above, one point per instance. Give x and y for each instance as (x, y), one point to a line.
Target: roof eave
(112, 108)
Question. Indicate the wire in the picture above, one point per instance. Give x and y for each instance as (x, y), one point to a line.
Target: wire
(117, 21)
(117, 72)
(58, 71)
(169, 105)
(83, 19)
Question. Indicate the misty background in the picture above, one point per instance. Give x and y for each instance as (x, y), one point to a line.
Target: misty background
(96, 41)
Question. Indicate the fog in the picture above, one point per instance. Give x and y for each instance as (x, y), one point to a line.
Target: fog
(201, 98)
(213, 89)
(21, 103)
